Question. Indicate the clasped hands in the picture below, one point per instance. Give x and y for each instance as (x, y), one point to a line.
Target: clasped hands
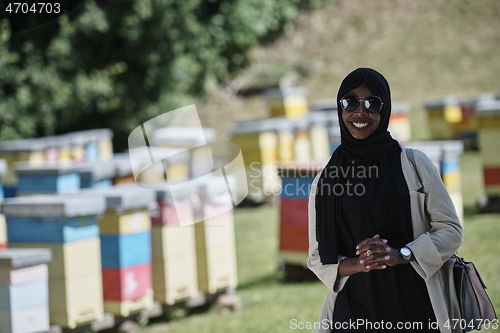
(373, 254)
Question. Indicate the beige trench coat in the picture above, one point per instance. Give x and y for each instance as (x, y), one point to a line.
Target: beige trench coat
(437, 232)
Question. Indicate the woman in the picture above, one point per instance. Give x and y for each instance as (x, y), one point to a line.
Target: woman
(382, 227)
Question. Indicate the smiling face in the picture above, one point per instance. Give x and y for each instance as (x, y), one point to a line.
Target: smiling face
(360, 123)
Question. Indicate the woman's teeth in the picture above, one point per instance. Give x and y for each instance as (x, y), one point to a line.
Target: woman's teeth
(360, 125)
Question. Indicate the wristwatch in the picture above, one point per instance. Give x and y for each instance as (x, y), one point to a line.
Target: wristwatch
(406, 254)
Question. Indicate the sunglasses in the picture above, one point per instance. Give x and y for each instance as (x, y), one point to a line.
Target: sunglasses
(372, 104)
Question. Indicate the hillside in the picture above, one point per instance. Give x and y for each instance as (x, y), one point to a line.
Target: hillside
(426, 49)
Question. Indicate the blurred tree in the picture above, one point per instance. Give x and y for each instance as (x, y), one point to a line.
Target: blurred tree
(117, 64)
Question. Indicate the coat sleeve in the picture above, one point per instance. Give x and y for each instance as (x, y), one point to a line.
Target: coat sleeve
(444, 232)
(326, 273)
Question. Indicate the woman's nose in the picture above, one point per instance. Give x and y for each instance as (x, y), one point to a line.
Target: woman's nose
(361, 110)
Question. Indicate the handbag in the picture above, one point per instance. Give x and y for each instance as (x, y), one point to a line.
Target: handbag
(475, 305)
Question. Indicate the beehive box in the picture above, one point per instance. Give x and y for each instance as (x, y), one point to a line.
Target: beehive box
(444, 117)
(24, 290)
(18, 151)
(454, 117)
(76, 300)
(126, 249)
(293, 235)
(216, 253)
(174, 263)
(289, 102)
(75, 280)
(259, 147)
(46, 179)
(174, 255)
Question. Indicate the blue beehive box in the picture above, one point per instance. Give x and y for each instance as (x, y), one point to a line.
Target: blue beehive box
(52, 218)
(24, 294)
(46, 179)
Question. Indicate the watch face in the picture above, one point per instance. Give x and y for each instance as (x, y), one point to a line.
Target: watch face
(405, 251)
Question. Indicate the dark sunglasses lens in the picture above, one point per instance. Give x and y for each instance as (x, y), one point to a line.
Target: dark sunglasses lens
(373, 104)
(350, 103)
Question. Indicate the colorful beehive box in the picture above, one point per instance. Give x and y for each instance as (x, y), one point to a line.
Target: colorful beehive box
(24, 295)
(174, 249)
(399, 124)
(296, 185)
(289, 102)
(67, 225)
(215, 243)
(488, 113)
(46, 179)
(258, 142)
(126, 249)
(97, 174)
(19, 151)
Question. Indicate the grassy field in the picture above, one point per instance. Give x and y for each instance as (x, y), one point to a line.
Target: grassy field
(270, 303)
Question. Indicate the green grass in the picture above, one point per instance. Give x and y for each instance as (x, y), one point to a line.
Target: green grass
(270, 303)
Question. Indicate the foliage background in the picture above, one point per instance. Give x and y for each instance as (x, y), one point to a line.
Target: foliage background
(117, 64)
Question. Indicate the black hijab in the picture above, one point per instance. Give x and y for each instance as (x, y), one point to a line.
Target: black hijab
(333, 233)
